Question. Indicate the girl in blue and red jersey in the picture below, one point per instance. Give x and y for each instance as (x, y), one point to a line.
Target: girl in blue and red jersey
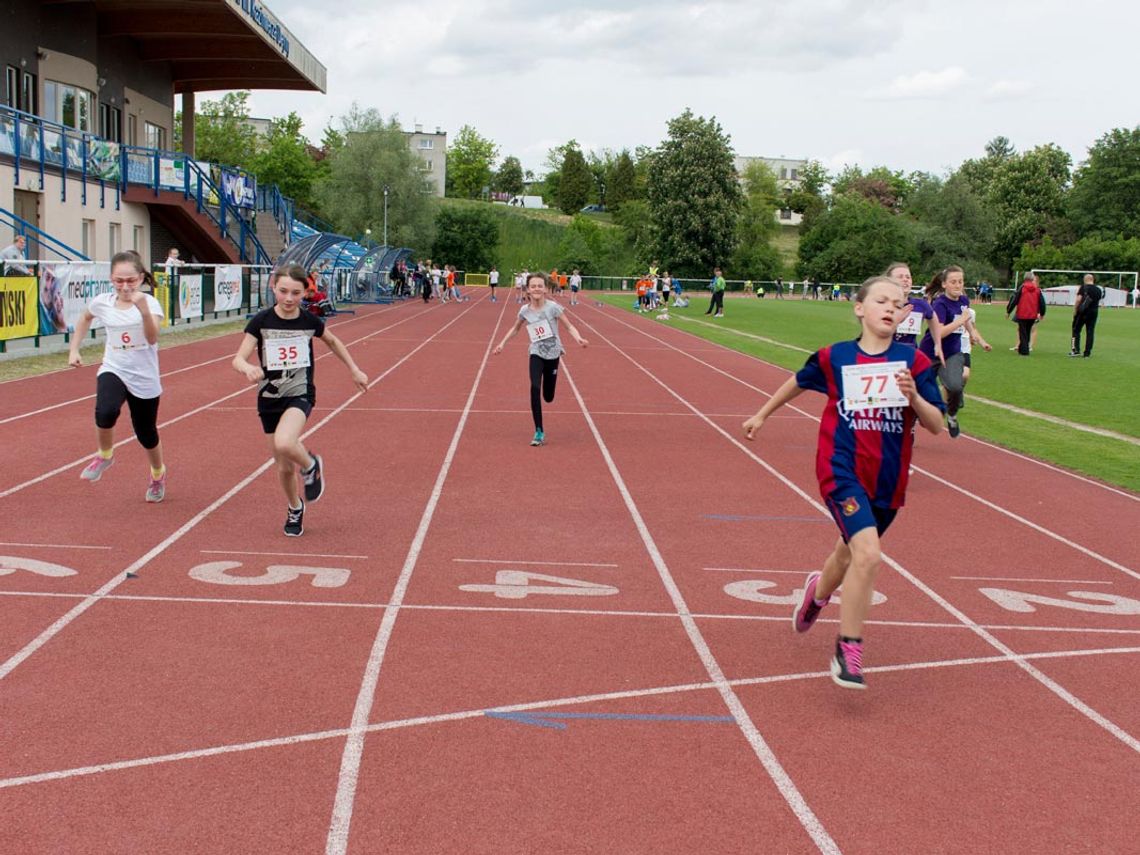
(947, 295)
(910, 328)
(877, 389)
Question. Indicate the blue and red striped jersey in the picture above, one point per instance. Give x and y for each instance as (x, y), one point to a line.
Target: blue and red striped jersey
(867, 447)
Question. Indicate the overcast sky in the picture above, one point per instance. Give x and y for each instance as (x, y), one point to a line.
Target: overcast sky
(910, 84)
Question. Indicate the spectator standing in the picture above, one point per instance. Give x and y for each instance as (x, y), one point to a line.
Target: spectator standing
(14, 257)
(1085, 313)
(1027, 305)
(173, 261)
(493, 281)
(717, 302)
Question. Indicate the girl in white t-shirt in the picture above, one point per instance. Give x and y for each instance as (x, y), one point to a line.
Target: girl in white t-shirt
(541, 317)
(129, 373)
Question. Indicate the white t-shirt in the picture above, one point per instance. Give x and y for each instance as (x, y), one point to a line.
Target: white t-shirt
(494, 277)
(967, 345)
(127, 354)
(542, 327)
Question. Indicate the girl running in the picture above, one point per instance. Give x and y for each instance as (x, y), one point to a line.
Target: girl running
(947, 295)
(540, 317)
(283, 337)
(911, 326)
(876, 389)
(129, 373)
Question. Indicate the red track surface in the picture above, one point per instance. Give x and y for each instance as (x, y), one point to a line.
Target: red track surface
(172, 713)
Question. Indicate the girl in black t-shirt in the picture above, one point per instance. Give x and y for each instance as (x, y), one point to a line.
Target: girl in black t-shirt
(283, 338)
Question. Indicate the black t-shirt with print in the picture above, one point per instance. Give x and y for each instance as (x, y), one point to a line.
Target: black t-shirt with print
(286, 341)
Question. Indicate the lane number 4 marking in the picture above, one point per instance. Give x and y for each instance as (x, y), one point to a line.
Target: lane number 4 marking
(518, 584)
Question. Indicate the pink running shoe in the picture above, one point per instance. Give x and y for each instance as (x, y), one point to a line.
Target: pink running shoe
(808, 610)
(156, 490)
(95, 469)
(847, 664)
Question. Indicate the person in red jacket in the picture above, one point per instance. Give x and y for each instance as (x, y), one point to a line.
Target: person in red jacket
(1027, 305)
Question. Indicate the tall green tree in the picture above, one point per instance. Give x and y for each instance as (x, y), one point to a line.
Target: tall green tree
(470, 159)
(755, 257)
(694, 196)
(466, 236)
(1105, 199)
(576, 182)
(854, 239)
(509, 177)
(222, 131)
(1027, 194)
(284, 160)
(621, 183)
(375, 154)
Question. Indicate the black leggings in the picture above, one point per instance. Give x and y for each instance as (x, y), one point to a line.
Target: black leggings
(717, 303)
(110, 394)
(543, 376)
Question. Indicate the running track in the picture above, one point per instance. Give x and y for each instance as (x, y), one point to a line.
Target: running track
(479, 646)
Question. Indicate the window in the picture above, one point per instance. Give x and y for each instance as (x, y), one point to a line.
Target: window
(427, 165)
(28, 100)
(110, 123)
(785, 213)
(427, 143)
(12, 90)
(137, 238)
(783, 172)
(132, 129)
(114, 238)
(795, 174)
(88, 243)
(154, 136)
(65, 104)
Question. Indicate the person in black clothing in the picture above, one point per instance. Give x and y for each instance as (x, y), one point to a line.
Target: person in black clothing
(1084, 316)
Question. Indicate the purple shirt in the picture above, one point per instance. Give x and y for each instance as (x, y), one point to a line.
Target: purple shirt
(947, 311)
(911, 325)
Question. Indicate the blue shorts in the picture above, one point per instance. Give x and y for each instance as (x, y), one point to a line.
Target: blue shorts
(853, 512)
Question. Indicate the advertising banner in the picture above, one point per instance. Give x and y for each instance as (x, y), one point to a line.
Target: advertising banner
(103, 160)
(19, 316)
(227, 287)
(190, 295)
(171, 173)
(65, 290)
(238, 188)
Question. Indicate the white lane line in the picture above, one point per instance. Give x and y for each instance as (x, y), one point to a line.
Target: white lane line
(783, 781)
(1053, 686)
(1022, 579)
(245, 389)
(114, 582)
(51, 545)
(519, 561)
(803, 573)
(529, 610)
(421, 721)
(285, 554)
(967, 493)
(341, 821)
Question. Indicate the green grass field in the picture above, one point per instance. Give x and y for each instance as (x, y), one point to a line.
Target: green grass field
(1101, 392)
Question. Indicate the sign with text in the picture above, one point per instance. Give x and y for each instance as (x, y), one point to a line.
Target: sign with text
(227, 287)
(19, 316)
(190, 295)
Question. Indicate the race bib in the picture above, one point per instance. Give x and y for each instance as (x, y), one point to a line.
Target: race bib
(911, 325)
(873, 386)
(287, 352)
(540, 330)
(127, 338)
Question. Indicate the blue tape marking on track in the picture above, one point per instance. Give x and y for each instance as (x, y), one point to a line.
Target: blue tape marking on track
(745, 518)
(547, 719)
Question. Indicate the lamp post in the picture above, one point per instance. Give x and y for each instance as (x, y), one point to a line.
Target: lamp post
(385, 215)
(367, 236)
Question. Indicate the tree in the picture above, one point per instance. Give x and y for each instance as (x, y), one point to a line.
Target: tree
(575, 183)
(1027, 194)
(621, 184)
(1105, 199)
(509, 178)
(694, 196)
(755, 257)
(814, 178)
(469, 161)
(880, 185)
(1000, 148)
(222, 131)
(284, 160)
(466, 236)
(854, 239)
(375, 154)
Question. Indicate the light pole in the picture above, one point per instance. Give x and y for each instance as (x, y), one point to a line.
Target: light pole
(367, 236)
(385, 215)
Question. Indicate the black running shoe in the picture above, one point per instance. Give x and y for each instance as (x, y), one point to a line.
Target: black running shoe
(314, 480)
(847, 664)
(295, 521)
(952, 424)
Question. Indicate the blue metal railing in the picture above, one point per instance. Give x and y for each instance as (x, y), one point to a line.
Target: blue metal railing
(38, 238)
(38, 144)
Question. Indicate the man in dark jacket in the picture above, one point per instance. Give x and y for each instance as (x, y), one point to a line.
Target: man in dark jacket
(1027, 305)
(1085, 312)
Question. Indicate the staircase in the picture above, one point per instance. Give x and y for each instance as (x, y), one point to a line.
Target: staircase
(269, 233)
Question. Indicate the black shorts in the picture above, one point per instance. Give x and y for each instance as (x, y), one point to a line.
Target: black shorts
(270, 410)
(966, 358)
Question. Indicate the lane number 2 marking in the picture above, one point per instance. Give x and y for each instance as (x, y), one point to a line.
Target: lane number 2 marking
(1083, 601)
(10, 564)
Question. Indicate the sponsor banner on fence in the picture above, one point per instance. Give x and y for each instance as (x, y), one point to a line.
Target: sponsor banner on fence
(190, 295)
(227, 287)
(65, 290)
(238, 188)
(171, 173)
(19, 316)
(103, 160)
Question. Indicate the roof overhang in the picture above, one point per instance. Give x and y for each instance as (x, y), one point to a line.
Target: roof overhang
(212, 44)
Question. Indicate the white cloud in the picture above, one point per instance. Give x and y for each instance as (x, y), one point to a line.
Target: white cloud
(923, 84)
(1007, 90)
